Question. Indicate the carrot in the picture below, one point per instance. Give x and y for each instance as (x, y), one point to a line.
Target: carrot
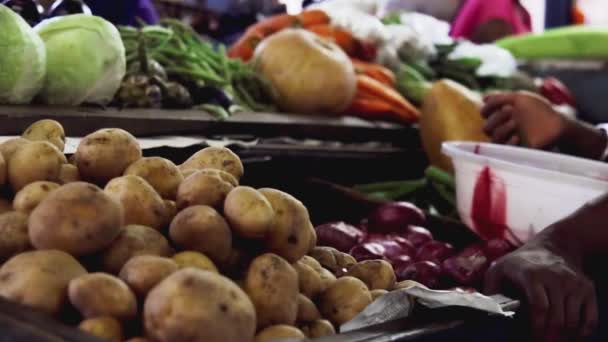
(275, 24)
(400, 105)
(375, 71)
(342, 38)
(245, 46)
(312, 18)
(369, 108)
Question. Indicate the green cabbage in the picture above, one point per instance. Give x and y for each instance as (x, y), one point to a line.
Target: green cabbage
(22, 59)
(85, 60)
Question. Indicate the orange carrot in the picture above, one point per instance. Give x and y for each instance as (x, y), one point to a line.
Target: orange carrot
(275, 24)
(369, 108)
(245, 46)
(389, 95)
(375, 71)
(342, 38)
(312, 18)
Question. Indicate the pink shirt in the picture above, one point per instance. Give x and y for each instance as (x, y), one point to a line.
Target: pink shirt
(478, 12)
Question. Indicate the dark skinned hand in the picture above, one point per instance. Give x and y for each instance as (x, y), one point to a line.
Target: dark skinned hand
(562, 301)
(523, 118)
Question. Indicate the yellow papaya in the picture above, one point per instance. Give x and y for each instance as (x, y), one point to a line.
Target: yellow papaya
(450, 111)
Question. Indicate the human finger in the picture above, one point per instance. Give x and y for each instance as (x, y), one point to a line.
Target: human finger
(494, 102)
(503, 133)
(495, 120)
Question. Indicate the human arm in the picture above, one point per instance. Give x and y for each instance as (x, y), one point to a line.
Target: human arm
(528, 119)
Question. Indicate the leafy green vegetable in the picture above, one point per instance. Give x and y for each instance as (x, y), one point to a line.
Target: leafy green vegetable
(22, 59)
(85, 60)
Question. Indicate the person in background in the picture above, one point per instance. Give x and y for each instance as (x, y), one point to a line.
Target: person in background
(550, 269)
(480, 21)
(125, 12)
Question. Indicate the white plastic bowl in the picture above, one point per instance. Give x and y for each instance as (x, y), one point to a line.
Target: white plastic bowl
(521, 189)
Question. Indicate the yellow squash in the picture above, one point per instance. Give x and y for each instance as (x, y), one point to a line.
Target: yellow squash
(450, 112)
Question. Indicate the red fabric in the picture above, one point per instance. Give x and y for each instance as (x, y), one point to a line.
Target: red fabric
(475, 13)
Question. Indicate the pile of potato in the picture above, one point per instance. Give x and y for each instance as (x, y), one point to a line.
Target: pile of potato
(138, 246)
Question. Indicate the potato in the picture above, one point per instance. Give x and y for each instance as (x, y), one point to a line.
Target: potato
(102, 294)
(46, 130)
(106, 154)
(219, 158)
(202, 189)
(35, 161)
(307, 310)
(344, 261)
(326, 256)
(199, 306)
(378, 293)
(141, 204)
(225, 176)
(289, 235)
(310, 283)
(68, 173)
(194, 260)
(317, 329)
(39, 279)
(132, 241)
(13, 234)
(272, 284)
(327, 279)
(200, 228)
(3, 170)
(32, 194)
(249, 213)
(313, 238)
(103, 327)
(78, 218)
(406, 284)
(5, 206)
(344, 300)
(8, 148)
(144, 272)
(279, 332)
(376, 274)
(159, 172)
(312, 262)
(171, 208)
(138, 339)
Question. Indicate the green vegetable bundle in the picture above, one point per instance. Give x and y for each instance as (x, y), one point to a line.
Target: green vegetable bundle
(186, 57)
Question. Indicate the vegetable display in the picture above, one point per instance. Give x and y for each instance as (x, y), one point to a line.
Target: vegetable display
(85, 60)
(22, 61)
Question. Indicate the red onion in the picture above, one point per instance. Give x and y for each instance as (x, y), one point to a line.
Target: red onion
(425, 272)
(368, 251)
(400, 264)
(497, 248)
(418, 236)
(468, 266)
(407, 247)
(338, 235)
(395, 217)
(435, 251)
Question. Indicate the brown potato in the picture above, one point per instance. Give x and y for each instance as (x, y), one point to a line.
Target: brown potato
(3, 170)
(202, 189)
(144, 272)
(5, 206)
(78, 218)
(344, 300)
(376, 274)
(159, 172)
(201, 228)
(106, 154)
(35, 161)
(32, 194)
(312, 262)
(279, 332)
(225, 176)
(310, 283)
(8, 148)
(289, 235)
(317, 329)
(141, 204)
(132, 241)
(406, 284)
(46, 130)
(249, 213)
(327, 279)
(307, 310)
(103, 327)
(326, 256)
(101, 294)
(68, 173)
(39, 279)
(171, 208)
(219, 158)
(13, 234)
(345, 261)
(313, 238)
(195, 305)
(378, 293)
(272, 285)
(138, 339)
(191, 259)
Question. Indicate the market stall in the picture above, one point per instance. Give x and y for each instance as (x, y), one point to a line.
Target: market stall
(295, 185)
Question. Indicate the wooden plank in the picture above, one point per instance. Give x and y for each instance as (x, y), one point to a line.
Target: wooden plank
(147, 122)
